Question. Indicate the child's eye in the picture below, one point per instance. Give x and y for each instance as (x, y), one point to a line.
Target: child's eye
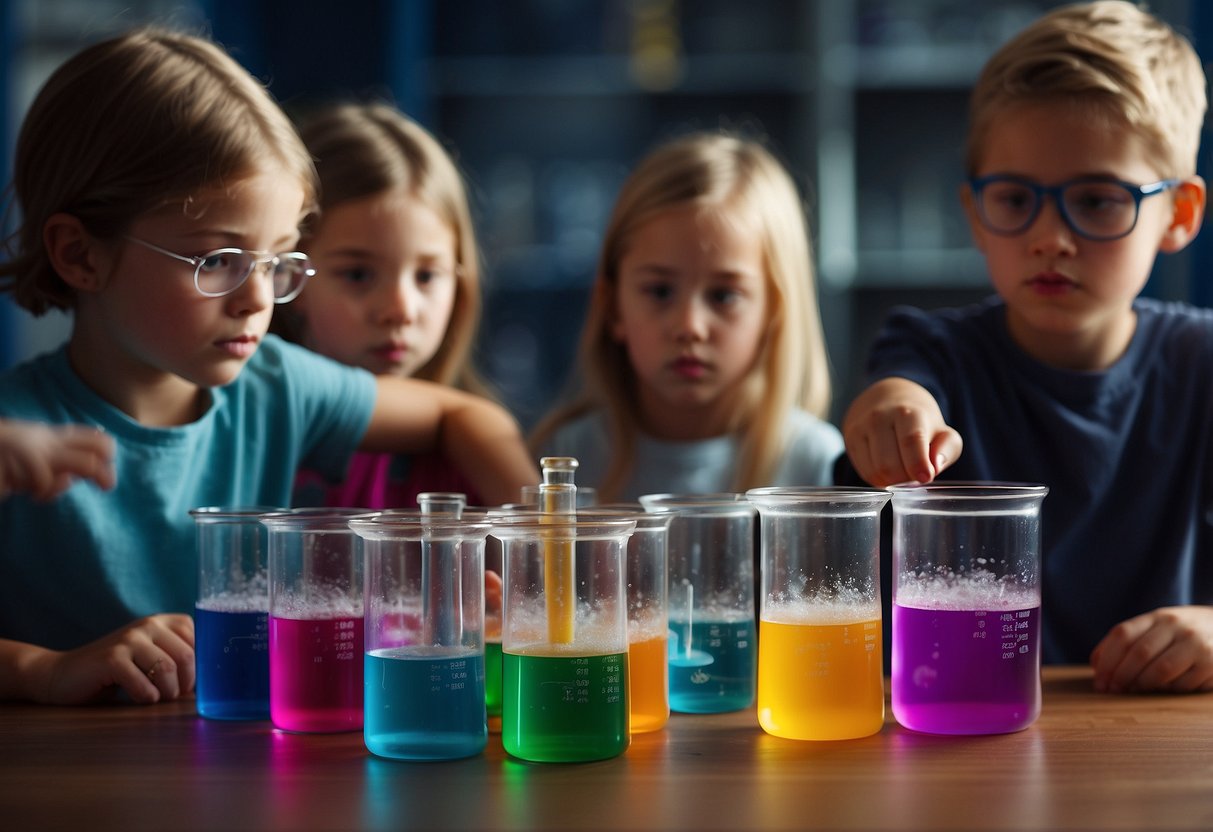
(358, 276)
(427, 276)
(658, 291)
(724, 296)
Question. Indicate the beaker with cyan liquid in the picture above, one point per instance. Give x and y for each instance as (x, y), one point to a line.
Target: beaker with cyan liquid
(424, 691)
(820, 664)
(564, 637)
(710, 550)
(648, 618)
(316, 620)
(231, 616)
(966, 606)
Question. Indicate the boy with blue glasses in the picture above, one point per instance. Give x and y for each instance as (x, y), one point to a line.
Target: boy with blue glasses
(1081, 156)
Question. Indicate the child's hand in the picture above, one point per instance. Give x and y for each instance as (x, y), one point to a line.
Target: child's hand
(43, 460)
(151, 659)
(1169, 650)
(895, 432)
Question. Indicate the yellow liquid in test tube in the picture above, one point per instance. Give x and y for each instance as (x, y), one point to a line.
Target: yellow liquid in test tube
(558, 578)
(648, 684)
(820, 681)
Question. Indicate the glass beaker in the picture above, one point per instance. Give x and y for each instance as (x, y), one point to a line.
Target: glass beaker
(231, 626)
(565, 656)
(316, 620)
(424, 684)
(711, 600)
(820, 664)
(648, 618)
(966, 606)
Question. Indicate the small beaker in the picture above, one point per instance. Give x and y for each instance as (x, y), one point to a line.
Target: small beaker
(710, 549)
(424, 683)
(966, 606)
(648, 618)
(316, 620)
(564, 637)
(820, 664)
(231, 626)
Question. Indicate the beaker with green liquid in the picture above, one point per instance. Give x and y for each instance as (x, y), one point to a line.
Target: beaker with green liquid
(564, 635)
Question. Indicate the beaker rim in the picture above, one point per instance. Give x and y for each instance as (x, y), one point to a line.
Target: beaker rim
(567, 525)
(422, 527)
(314, 517)
(969, 490)
(725, 502)
(789, 495)
(232, 514)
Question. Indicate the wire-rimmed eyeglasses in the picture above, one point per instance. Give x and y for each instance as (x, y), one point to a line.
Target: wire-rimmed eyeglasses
(224, 270)
(1094, 208)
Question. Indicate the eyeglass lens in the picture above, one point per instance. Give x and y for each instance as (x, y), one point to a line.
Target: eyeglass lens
(1094, 209)
(223, 271)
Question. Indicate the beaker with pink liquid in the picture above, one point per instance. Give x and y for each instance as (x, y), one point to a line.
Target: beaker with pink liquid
(316, 620)
(966, 606)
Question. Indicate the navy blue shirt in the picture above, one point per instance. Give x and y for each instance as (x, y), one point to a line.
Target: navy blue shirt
(1126, 454)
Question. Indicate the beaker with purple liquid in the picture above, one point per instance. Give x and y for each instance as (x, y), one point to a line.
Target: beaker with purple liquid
(966, 606)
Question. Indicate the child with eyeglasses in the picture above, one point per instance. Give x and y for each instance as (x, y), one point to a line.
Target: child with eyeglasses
(397, 284)
(1081, 155)
(161, 191)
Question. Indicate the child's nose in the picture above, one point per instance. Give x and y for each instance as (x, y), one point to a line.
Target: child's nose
(691, 320)
(1050, 233)
(401, 301)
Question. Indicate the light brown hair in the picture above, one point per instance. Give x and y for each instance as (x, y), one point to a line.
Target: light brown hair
(1115, 60)
(362, 150)
(130, 124)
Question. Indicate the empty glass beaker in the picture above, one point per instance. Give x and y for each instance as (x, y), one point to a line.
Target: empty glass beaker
(231, 626)
(966, 606)
(424, 683)
(316, 620)
(710, 550)
(564, 637)
(820, 664)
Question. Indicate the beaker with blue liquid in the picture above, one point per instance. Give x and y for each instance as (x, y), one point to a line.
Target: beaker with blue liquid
(231, 615)
(424, 657)
(710, 597)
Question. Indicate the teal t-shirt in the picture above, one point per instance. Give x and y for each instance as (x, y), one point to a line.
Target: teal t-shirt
(91, 561)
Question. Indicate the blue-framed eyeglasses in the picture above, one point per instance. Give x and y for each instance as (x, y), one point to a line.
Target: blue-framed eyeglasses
(1093, 208)
(224, 270)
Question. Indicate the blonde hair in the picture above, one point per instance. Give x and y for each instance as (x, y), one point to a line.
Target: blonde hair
(1112, 58)
(724, 174)
(130, 124)
(362, 150)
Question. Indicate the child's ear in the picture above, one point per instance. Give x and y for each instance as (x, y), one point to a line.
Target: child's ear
(1187, 214)
(76, 256)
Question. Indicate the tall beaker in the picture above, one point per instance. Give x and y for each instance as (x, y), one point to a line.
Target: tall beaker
(966, 606)
(231, 616)
(820, 664)
(712, 657)
(316, 620)
(424, 695)
(565, 646)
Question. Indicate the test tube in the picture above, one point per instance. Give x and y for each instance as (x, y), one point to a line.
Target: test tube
(558, 496)
(442, 613)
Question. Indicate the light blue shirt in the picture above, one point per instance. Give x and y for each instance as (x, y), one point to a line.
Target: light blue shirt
(700, 467)
(91, 561)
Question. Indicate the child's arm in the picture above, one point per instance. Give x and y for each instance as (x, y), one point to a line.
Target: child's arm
(151, 659)
(43, 460)
(478, 436)
(895, 432)
(1169, 649)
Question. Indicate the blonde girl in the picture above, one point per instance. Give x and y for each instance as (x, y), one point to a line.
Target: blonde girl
(702, 358)
(161, 191)
(397, 285)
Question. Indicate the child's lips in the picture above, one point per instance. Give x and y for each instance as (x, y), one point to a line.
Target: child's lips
(1052, 283)
(689, 367)
(242, 346)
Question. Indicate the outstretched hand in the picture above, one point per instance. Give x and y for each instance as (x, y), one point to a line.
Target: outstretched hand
(1166, 650)
(895, 432)
(151, 659)
(43, 460)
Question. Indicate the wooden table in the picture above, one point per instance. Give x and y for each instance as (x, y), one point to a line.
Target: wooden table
(1091, 761)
